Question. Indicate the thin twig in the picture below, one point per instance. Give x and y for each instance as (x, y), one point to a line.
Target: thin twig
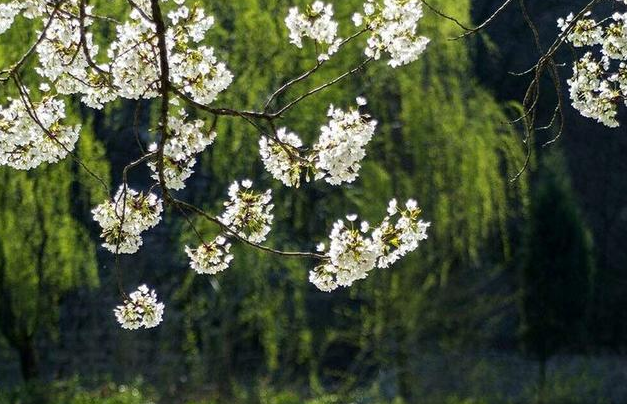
(14, 69)
(236, 235)
(322, 87)
(308, 73)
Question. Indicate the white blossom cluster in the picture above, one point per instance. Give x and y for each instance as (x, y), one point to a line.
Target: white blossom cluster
(599, 82)
(210, 258)
(185, 141)
(132, 70)
(592, 94)
(134, 57)
(27, 141)
(393, 25)
(36, 8)
(282, 158)
(62, 60)
(316, 23)
(247, 212)
(341, 145)
(586, 31)
(7, 15)
(193, 22)
(124, 218)
(196, 72)
(199, 74)
(335, 157)
(355, 251)
(353, 254)
(141, 309)
(402, 236)
(28, 8)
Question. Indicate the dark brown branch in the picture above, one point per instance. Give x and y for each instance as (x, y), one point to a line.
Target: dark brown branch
(234, 233)
(446, 16)
(165, 92)
(83, 40)
(222, 111)
(532, 94)
(142, 12)
(469, 31)
(322, 87)
(308, 73)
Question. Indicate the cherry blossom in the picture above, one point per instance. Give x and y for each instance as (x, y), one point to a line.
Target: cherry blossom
(210, 258)
(124, 218)
(248, 212)
(315, 23)
(282, 158)
(168, 55)
(186, 140)
(355, 252)
(341, 145)
(141, 309)
(29, 138)
(7, 15)
(598, 85)
(393, 26)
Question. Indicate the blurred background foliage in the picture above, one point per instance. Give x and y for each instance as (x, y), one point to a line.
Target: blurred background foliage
(517, 294)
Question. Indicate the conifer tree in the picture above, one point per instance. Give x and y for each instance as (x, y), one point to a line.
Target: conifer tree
(558, 271)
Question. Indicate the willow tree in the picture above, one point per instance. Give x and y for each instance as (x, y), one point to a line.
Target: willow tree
(459, 168)
(45, 247)
(45, 251)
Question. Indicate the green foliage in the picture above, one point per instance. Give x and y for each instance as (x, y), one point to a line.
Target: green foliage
(45, 248)
(562, 389)
(442, 139)
(72, 392)
(585, 388)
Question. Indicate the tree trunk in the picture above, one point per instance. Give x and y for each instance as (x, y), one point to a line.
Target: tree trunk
(29, 360)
